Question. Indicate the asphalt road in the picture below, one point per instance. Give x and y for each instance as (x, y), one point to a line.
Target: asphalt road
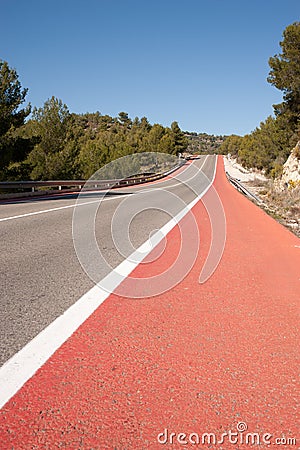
(40, 272)
(213, 363)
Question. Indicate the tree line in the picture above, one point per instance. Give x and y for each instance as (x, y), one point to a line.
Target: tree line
(52, 143)
(270, 144)
(204, 143)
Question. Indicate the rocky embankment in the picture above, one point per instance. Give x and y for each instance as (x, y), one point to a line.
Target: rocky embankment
(291, 170)
(279, 198)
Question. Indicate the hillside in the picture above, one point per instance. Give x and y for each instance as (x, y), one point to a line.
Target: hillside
(203, 142)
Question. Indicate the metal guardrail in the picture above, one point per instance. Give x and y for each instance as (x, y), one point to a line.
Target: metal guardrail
(242, 188)
(93, 184)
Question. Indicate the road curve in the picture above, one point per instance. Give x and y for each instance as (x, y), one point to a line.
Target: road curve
(40, 273)
(212, 365)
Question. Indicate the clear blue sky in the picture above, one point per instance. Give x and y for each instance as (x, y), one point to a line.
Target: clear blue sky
(203, 63)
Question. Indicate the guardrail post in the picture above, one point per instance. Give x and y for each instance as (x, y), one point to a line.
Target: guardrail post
(59, 188)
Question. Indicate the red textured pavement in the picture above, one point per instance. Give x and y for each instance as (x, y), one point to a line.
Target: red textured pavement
(199, 358)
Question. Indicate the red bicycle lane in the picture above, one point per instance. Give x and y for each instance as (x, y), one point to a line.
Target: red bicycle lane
(200, 358)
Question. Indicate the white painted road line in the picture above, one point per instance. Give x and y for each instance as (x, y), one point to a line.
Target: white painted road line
(189, 179)
(4, 219)
(57, 209)
(24, 364)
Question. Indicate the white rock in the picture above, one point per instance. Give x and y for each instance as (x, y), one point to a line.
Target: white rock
(291, 168)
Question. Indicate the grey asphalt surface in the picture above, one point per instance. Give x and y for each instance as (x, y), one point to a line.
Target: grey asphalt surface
(40, 273)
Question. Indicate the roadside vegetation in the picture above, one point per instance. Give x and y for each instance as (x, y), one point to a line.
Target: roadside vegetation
(204, 143)
(286, 205)
(53, 143)
(282, 204)
(269, 145)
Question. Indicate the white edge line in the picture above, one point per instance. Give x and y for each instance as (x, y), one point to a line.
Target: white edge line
(25, 363)
(44, 211)
(35, 213)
